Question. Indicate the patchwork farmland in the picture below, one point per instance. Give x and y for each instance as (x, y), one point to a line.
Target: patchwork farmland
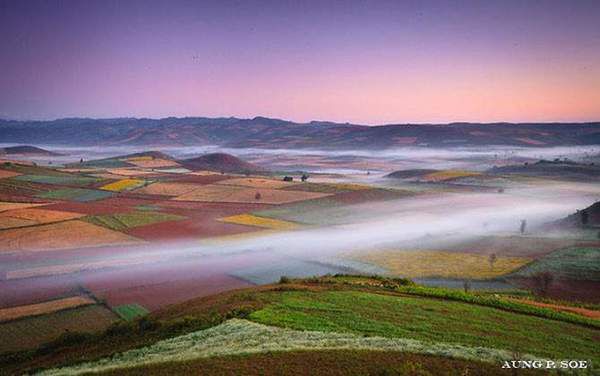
(99, 246)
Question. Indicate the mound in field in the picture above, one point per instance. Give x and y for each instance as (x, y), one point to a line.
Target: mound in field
(230, 193)
(61, 235)
(221, 162)
(26, 150)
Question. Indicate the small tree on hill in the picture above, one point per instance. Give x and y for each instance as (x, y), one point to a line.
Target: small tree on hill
(523, 226)
(542, 282)
(467, 285)
(257, 196)
(492, 259)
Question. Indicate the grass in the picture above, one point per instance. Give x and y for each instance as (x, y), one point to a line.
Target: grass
(244, 337)
(124, 221)
(58, 180)
(76, 194)
(129, 312)
(252, 220)
(371, 314)
(427, 263)
(574, 263)
(123, 185)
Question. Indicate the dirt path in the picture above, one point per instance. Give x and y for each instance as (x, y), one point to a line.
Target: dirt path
(577, 310)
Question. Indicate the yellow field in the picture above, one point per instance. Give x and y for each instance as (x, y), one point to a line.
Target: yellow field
(252, 220)
(122, 185)
(449, 174)
(350, 186)
(43, 308)
(425, 263)
(128, 172)
(154, 163)
(141, 158)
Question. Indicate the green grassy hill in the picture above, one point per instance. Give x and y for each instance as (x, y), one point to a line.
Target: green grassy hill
(365, 325)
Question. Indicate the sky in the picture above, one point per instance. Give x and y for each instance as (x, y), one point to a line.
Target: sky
(367, 62)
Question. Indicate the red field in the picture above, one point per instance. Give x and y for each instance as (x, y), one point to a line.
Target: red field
(111, 205)
(155, 286)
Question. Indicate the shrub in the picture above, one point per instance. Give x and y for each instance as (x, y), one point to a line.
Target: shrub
(284, 280)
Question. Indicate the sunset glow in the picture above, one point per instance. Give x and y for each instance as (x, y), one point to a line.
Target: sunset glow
(362, 62)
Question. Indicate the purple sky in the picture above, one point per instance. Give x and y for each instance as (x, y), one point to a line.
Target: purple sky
(364, 61)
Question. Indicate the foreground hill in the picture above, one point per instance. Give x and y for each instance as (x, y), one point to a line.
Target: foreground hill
(221, 162)
(26, 150)
(588, 217)
(360, 324)
(263, 132)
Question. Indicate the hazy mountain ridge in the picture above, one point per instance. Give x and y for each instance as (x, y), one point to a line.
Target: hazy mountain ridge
(261, 132)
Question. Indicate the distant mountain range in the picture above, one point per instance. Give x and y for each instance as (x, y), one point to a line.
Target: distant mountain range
(262, 132)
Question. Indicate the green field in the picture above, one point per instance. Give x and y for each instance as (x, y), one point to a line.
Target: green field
(428, 320)
(129, 312)
(574, 263)
(76, 194)
(59, 179)
(123, 221)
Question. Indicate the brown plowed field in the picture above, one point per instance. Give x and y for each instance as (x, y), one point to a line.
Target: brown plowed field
(12, 313)
(257, 183)
(35, 216)
(168, 188)
(8, 174)
(62, 235)
(112, 205)
(4, 206)
(229, 193)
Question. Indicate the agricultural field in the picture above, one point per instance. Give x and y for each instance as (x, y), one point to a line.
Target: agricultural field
(8, 174)
(571, 263)
(228, 193)
(440, 264)
(252, 220)
(13, 313)
(130, 312)
(168, 188)
(33, 216)
(75, 180)
(124, 221)
(256, 182)
(61, 235)
(322, 316)
(446, 175)
(31, 332)
(4, 206)
(75, 194)
(123, 185)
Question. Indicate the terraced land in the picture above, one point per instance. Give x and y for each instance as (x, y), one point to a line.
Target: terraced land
(324, 316)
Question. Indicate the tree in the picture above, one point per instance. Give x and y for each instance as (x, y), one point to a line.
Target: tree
(523, 225)
(81, 160)
(467, 285)
(584, 217)
(257, 196)
(304, 177)
(542, 282)
(492, 259)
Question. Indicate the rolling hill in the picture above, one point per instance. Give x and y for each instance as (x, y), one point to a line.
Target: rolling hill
(261, 132)
(26, 150)
(221, 162)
